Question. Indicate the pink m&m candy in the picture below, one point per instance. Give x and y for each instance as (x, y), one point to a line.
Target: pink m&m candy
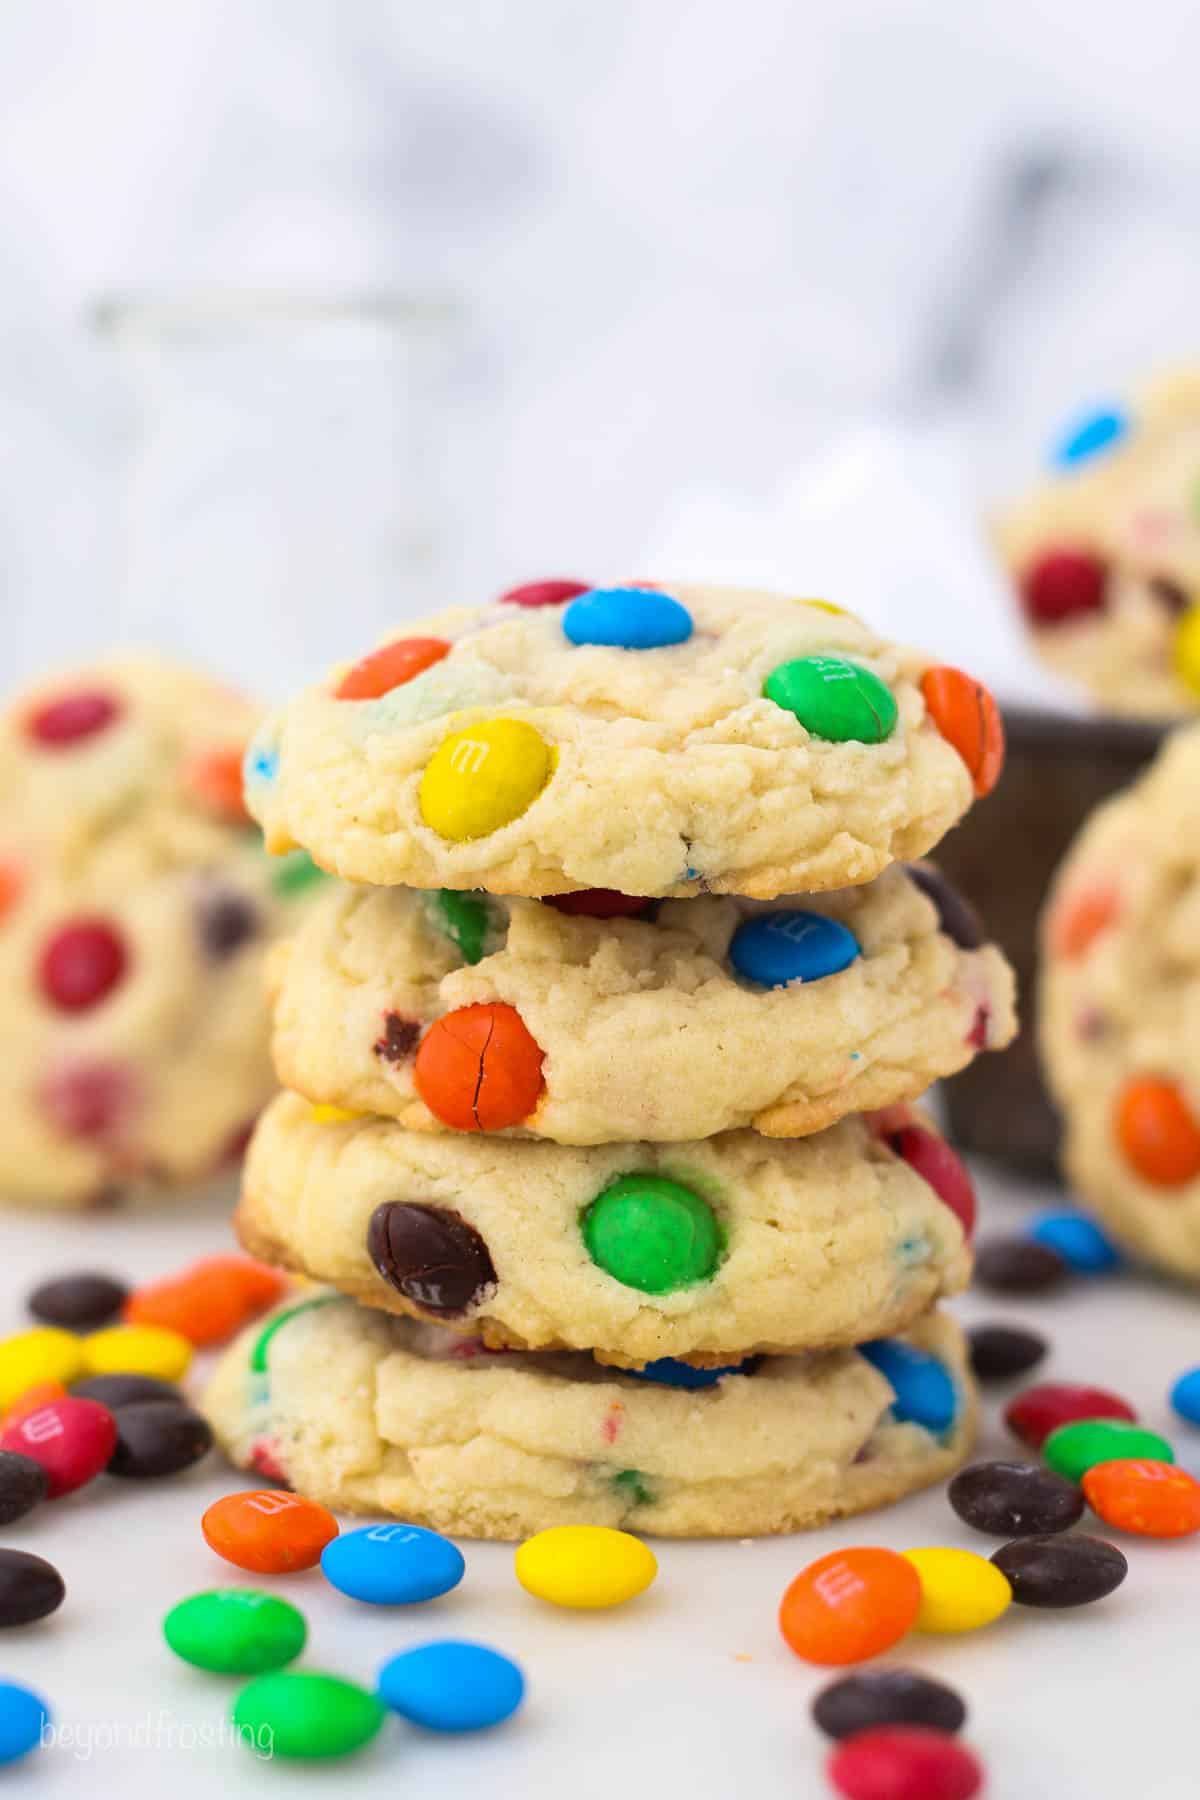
(72, 1439)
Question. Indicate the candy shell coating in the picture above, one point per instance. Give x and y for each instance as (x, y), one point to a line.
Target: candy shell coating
(585, 1566)
(452, 1686)
(392, 1565)
(268, 1532)
(1090, 435)
(1185, 651)
(1079, 1240)
(24, 1716)
(627, 618)
(1185, 1396)
(904, 1762)
(778, 948)
(849, 1605)
(876, 1697)
(28, 1358)
(923, 1388)
(137, 1350)
(1074, 1449)
(483, 777)
(834, 699)
(304, 1714)
(1149, 1499)
(669, 1371)
(959, 1590)
(235, 1631)
(653, 1234)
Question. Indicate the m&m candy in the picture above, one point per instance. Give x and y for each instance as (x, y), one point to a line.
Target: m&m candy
(1038, 1411)
(30, 1357)
(776, 948)
(24, 1484)
(1063, 584)
(1185, 651)
(81, 963)
(431, 1256)
(834, 699)
(874, 1697)
(1018, 1265)
(998, 1352)
(269, 1532)
(544, 593)
(464, 919)
(24, 1719)
(1149, 1499)
(924, 1390)
(303, 1714)
(72, 718)
(1080, 1241)
(482, 777)
(209, 1301)
(479, 1068)
(850, 1605)
(72, 1439)
(587, 1566)
(1074, 1449)
(1080, 917)
(959, 1590)
(452, 1686)
(137, 1350)
(1090, 436)
(598, 903)
(30, 1588)
(1185, 1396)
(1011, 1499)
(157, 1438)
(904, 1762)
(1157, 1132)
(235, 1631)
(628, 618)
(934, 1161)
(652, 1233)
(214, 778)
(967, 717)
(78, 1302)
(390, 667)
(1067, 1569)
(392, 1565)
(667, 1371)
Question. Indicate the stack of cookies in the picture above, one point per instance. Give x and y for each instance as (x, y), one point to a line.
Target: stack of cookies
(604, 1152)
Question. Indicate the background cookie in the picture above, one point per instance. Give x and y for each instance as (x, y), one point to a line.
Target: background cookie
(1106, 553)
(136, 907)
(710, 740)
(735, 1243)
(667, 1025)
(379, 1415)
(1120, 1010)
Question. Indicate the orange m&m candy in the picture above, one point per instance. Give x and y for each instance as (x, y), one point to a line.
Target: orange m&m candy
(1158, 1135)
(269, 1532)
(850, 1605)
(215, 778)
(390, 667)
(1079, 918)
(209, 1301)
(1152, 1499)
(11, 886)
(478, 1068)
(967, 717)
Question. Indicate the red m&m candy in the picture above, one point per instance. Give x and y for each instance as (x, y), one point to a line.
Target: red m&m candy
(72, 718)
(1063, 584)
(390, 667)
(81, 963)
(904, 1762)
(930, 1157)
(1033, 1415)
(72, 1439)
(544, 593)
(598, 903)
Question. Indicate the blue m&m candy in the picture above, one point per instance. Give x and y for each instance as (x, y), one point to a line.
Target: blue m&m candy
(23, 1719)
(392, 1565)
(923, 1388)
(1091, 436)
(452, 1686)
(1080, 1242)
(1185, 1396)
(261, 764)
(628, 618)
(667, 1372)
(779, 947)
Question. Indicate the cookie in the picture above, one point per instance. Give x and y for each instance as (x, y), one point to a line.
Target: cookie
(709, 740)
(734, 1243)
(1120, 1010)
(694, 1017)
(1105, 554)
(383, 1416)
(136, 911)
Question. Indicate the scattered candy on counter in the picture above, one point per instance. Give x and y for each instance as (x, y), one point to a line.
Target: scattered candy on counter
(1074, 1449)
(72, 1439)
(959, 1590)
(585, 1566)
(452, 1686)
(1018, 1266)
(24, 1484)
(137, 1350)
(392, 1565)
(874, 1697)
(1038, 1411)
(1081, 1243)
(157, 1438)
(304, 1714)
(1069, 1570)
(1149, 1499)
(1185, 1396)
(998, 1352)
(269, 1532)
(23, 1720)
(208, 1302)
(1011, 1499)
(116, 1391)
(235, 1631)
(850, 1605)
(30, 1588)
(79, 1302)
(904, 1762)
(44, 1354)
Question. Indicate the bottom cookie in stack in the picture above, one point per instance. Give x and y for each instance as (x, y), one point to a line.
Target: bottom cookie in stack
(371, 1413)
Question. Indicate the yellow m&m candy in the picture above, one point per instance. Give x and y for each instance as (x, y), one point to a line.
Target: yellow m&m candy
(585, 1565)
(1187, 650)
(959, 1590)
(324, 1114)
(43, 1354)
(137, 1350)
(480, 778)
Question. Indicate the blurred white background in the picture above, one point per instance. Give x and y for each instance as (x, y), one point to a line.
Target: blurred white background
(692, 243)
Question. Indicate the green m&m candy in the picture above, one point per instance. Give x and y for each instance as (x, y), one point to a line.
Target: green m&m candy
(464, 919)
(1074, 1449)
(298, 1713)
(235, 1631)
(297, 872)
(652, 1233)
(834, 698)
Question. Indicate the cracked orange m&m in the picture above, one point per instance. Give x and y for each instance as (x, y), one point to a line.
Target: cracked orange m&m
(479, 1068)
